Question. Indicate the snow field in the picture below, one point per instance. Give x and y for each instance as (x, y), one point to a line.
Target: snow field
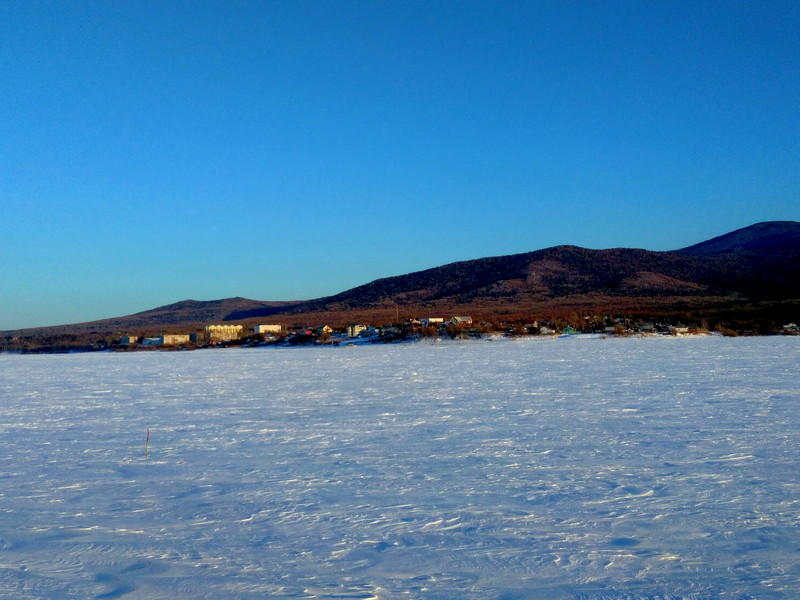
(566, 468)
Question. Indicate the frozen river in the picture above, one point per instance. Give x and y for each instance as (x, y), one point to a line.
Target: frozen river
(566, 468)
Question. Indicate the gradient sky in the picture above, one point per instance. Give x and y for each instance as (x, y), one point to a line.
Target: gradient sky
(152, 152)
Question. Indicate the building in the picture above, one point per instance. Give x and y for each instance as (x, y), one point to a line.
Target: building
(174, 339)
(168, 339)
(222, 333)
(127, 340)
(432, 321)
(266, 329)
(354, 329)
(461, 321)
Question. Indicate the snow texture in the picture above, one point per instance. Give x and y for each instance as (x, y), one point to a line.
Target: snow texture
(559, 469)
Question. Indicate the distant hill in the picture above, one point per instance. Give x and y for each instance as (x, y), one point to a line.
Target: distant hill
(761, 262)
(195, 311)
(179, 314)
(757, 266)
(782, 237)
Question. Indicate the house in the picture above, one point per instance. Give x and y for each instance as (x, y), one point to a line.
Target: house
(174, 339)
(461, 321)
(354, 329)
(325, 329)
(168, 339)
(432, 321)
(127, 340)
(265, 329)
(221, 333)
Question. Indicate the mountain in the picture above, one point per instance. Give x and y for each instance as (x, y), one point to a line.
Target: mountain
(751, 270)
(760, 262)
(194, 313)
(762, 238)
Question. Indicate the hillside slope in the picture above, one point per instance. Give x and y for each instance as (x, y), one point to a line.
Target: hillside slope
(760, 263)
(183, 313)
(782, 237)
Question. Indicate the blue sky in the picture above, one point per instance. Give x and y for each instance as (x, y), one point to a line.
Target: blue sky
(152, 152)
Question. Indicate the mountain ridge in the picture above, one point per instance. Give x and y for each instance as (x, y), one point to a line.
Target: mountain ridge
(759, 263)
(767, 235)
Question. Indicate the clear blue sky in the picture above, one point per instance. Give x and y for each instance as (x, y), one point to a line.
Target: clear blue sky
(152, 152)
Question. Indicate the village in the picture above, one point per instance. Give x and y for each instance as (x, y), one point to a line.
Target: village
(458, 327)
(222, 335)
(272, 334)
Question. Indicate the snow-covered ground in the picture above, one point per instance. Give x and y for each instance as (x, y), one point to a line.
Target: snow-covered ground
(559, 468)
